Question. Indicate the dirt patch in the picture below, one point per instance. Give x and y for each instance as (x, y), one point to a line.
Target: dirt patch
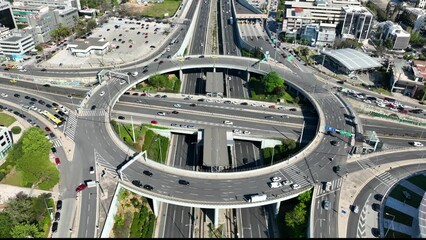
(132, 7)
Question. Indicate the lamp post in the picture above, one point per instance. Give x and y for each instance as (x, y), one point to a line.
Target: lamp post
(391, 225)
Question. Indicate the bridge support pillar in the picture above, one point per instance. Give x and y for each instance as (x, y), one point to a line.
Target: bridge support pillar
(216, 217)
(156, 205)
(248, 76)
(214, 69)
(180, 75)
(276, 208)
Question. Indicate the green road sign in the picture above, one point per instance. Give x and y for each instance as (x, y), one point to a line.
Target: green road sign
(349, 134)
(289, 58)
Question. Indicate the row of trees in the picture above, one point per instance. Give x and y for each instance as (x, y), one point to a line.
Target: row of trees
(26, 217)
(296, 219)
(165, 83)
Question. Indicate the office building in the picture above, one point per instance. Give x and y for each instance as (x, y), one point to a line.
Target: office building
(357, 22)
(410, 16)
(6, 16)
(421, 4)
(301, 13)
(326, 34)
(22, 12)
(67, 17)
(389, 30)
(16, 44)
(420, 25)
(309, 34)
(6, 141)
(52, 4)
(408, 79)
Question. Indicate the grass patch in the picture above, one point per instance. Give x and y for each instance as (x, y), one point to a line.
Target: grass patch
(15, 178)
(157, 10)
(381, 90)
(418, 180)
(399, 216)
(397, 193)
(6, 120)
(279, 152)
(145, 139)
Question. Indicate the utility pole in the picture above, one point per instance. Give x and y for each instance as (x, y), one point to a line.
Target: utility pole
(301, 135)
(133, 129)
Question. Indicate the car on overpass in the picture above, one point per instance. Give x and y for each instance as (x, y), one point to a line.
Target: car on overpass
(417, 144)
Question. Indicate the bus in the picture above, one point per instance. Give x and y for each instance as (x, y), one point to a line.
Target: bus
(52, 118)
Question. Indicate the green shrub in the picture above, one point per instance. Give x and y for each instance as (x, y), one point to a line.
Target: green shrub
(16, 130)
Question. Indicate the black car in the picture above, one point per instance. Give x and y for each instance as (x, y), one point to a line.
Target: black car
(52, 135)
(61, 113)
(57, 216)
(46, 85)
(56, 115)
(148, 173)
(334, 143)
(340, 82)
(16, 113)
(93, 107)
(59, 205)
(378, 197)
(293, 109)
(183, 182)
(55, 104)
(16, 95)
(41, 102)
(33, 99)
(127, 93)
(137, 183)
(175, 112)
(336, 168)
(22, 115)
(121, 117)
(53, 149)
(27, 97)
(148, 187)
(202, 56)
(144, 71)
(243, 103)
(54, 226)
(135, 94)
(48, 106)
(193, 105)
(62, 119)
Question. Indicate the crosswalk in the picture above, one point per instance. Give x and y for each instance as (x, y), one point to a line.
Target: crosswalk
(296, 175)
(335, 185)
(71, 125)
(385, 177)
(112, 170)
(57, 143)
(91, 113)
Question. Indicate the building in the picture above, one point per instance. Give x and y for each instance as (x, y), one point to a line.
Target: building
(67, 17)
(89, 46)
(408, 79)
(421, 4)
(389, 30)
(326, 34)
(410, 16)
(22, 12)
(420, 25)
(6, 141)
(6, 16)
(357, 22)
(52, 4)
(310, 34)
(41, 25)
(300, 13)
(348, 61)
(16, 44)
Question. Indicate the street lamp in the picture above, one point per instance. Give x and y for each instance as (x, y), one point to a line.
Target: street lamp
(391, 225)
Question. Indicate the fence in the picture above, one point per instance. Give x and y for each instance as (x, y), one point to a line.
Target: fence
(403, 120)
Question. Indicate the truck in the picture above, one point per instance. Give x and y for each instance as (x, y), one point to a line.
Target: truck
(257, 198)
(91, 184)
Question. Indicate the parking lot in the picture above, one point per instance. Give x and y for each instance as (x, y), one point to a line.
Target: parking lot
(130, 40)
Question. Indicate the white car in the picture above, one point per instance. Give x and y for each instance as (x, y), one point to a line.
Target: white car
(161, 113)
(367, 101)
(4, 95)
(209, 100)
(254, 104)
(228, 122)
(275, 184)
(276, 179)
(23, 70)
(381, 105)
(236, 131)
(177, 105)
(418, 144)
(246, 132)
(134, 74)
(102, 93)
(122, 82)
(295, 186)
(287, 182)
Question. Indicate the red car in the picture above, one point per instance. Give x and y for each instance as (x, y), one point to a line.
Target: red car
(154, 122)
(57, 161)
(160, 62)
(47, 129)
(80, 187)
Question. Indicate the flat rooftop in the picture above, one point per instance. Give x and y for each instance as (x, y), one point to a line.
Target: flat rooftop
(214, 82)
(215, 152)
(352, 59)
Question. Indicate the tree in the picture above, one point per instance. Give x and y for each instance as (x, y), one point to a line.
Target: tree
(388, 43)
(297, 216)
(25, 231)
(305, 197)
(38, 48)
(91, 24)
(19, 210)
(271, 81)
(5, 225)
(16, 130)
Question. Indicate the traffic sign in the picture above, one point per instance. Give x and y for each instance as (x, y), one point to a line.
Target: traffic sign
(333, 129)
(289, 58)
(327, 128)
(348, 134)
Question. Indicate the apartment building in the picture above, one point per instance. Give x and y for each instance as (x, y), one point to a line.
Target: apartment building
(52, 4)
(16, 43)
(66, 16)
(6, 141)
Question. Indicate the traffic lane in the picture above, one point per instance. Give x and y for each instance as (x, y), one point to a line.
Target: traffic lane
(247, 154)
(88, 213)
(184, 156)
(185, 104)
(326, 229)
(178, 222)
(263, 114)
(367, 196)
(254, 222)
(254, 128)
(395, 142)
(388, 128)
(78, 92)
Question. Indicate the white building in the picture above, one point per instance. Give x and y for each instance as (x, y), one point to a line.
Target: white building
(89, 46)
(301, 13)
(326, 34)
(6, 141)
(53, 4)
(357, 22)
(66, 16)
(399, 37)
(16, 44)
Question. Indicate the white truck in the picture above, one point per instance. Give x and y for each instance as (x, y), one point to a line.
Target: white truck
(257, 198)
(91, 184)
